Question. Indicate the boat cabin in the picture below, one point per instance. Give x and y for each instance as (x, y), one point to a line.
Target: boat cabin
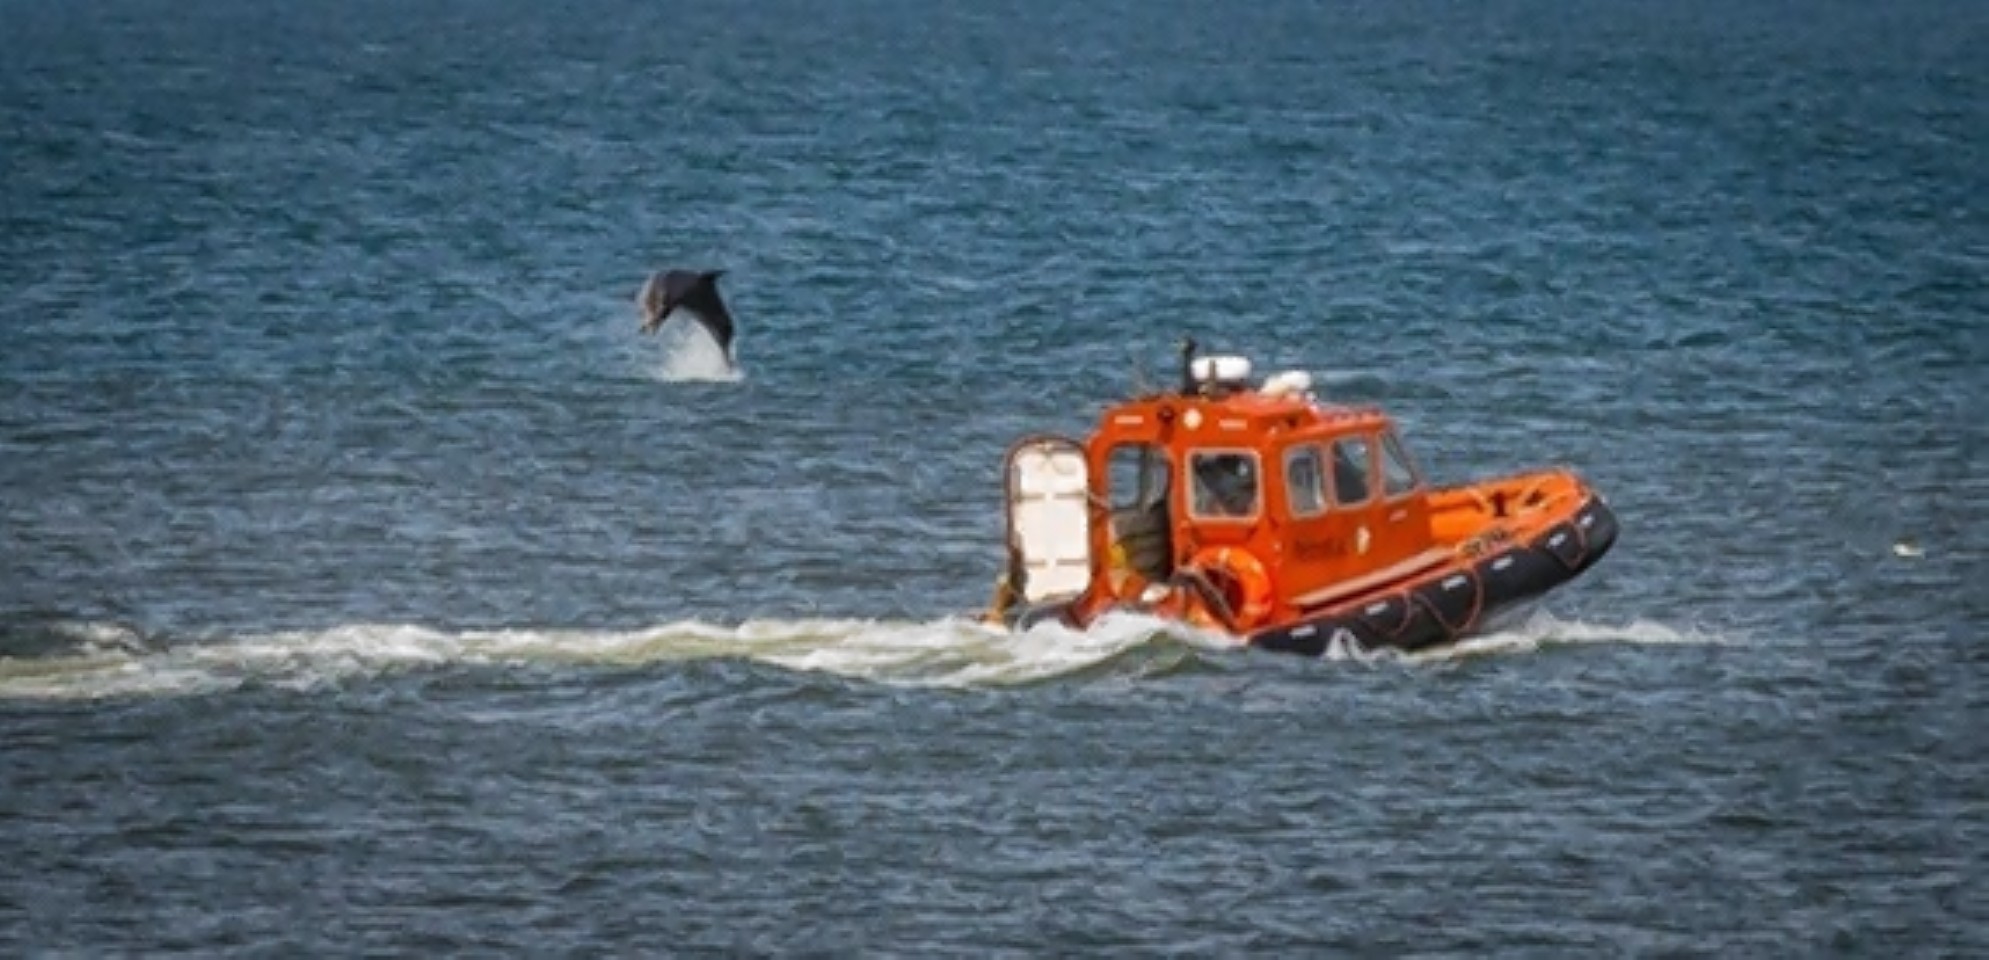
(1285, 502)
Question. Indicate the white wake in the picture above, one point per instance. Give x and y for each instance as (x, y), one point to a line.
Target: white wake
(107, 661)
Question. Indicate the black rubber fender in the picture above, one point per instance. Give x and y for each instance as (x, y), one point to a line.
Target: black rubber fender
(1311, 638)
(1455, 599)
(1566, 542)
(1384, 617)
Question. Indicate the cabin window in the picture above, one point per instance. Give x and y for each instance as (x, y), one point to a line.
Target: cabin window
(1138, 477)
(1351, 469)
(1305, 481)
(1225, 483)
(1398, 475)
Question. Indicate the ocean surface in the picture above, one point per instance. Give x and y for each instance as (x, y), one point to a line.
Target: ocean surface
(369, 586)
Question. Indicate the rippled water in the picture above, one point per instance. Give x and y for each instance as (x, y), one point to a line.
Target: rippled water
(367, 583)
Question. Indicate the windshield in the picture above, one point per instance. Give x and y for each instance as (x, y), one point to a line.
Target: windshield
(1225, 483)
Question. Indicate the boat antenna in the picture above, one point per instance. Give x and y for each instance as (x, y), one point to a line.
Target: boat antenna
(1187, 365)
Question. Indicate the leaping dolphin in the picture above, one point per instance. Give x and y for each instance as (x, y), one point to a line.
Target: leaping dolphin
(694, 291)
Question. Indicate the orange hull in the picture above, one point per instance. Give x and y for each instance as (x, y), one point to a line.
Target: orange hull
(1502, 544)
(1494, 566)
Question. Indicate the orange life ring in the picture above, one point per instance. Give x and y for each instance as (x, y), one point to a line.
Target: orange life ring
(1252, 579)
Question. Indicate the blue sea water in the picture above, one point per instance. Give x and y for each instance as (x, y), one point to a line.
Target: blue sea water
(368, 585)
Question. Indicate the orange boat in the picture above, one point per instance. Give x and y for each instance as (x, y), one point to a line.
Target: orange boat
(1292, 524)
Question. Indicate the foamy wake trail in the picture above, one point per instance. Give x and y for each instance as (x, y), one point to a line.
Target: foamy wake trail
(966, 653)
(1543, 630)
(950, 652)
(109, 661)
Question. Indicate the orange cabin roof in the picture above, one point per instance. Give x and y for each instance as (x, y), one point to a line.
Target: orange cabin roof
(1245, 417)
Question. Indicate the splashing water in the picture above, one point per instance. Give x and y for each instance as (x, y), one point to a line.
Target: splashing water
(691, 356)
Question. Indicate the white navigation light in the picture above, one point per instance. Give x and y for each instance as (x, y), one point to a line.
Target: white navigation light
(1225, 370)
